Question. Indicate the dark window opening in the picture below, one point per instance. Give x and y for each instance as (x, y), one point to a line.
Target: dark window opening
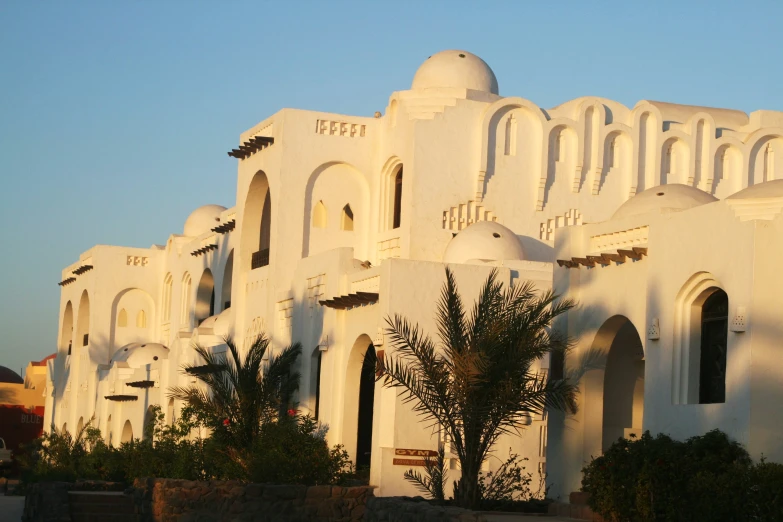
(318, 385)
(366, 398)
(212, 303)
(397, 199)
(86, 339)
(261, 258)
(714, 341)
(69, 347)
(226, 305)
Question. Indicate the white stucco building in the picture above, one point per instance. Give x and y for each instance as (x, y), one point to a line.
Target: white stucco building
(341, 221)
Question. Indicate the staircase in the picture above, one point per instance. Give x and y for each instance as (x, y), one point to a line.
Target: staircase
(99, 506)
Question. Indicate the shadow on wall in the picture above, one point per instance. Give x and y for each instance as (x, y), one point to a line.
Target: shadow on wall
(536, 250)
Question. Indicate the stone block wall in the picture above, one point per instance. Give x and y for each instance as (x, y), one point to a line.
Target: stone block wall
(168, 500)
(48, 501)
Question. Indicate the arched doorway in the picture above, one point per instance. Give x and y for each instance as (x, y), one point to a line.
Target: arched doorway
(228, 279)
(623, 389)
(257, 223)
(66, 336)
(127, 432)
(83, 322)
(359, 399)
(205, 297)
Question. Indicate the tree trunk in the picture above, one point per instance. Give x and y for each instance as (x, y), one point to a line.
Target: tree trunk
(467, 489)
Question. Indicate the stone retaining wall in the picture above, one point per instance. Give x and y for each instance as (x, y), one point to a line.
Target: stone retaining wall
(168, 500)
(48, 501)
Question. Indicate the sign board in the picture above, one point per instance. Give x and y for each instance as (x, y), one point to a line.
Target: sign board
(412, 457)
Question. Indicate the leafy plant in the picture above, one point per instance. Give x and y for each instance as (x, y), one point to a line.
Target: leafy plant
(433, 482)
(242, 394)
(479, 382)
(507, 483)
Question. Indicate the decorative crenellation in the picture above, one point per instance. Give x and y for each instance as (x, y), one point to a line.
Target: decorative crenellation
(623, 240)
(465, 214)
(137, 261)
(340, 128)
(370, 284)
(316, 287)
(254, 286)
(548, 228)
(285, 313)
(388, 248)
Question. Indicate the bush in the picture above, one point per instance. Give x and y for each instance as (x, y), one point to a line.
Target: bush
(706, 478)
(294, 451)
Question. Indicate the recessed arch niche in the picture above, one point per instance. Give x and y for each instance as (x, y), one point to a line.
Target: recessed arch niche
(359, 400)
(133, 310)
(83, 321)
(127, 432)
(66, 333)
(205, 296)
(331, 189)
(228, 281)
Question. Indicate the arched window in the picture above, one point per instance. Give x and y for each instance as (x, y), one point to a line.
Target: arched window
(346, 220)
(714, 341)
(205, 297)
(319, 215)
(397, 199)
(122, 319)
(187, 283)
(228, 280)
(261, 258)
(141, 319)
(168, 283)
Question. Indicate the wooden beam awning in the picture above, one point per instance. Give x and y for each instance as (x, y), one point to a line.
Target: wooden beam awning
(226, 227)
(121, 398)
(203, 250)
(606, 258)
(251, 146)
(204, 369)
(141, 384)
(82, 269)
(67, 281)
(349, 301)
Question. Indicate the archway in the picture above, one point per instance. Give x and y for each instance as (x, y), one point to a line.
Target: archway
(83, 321)
(79, 426)
(66, 335)
(623, 390)
(359, 398)
(228, 279)
(127, 432)
(257, 223)
(205, 297)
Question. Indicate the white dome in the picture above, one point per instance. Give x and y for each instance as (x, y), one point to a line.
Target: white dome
(223, 323)
(140, 354)
(203, 219)
(456, 69)
(663, 198)
(485, 241)
(768, 189)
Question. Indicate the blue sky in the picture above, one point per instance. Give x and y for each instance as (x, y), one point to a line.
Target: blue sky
(115, 117)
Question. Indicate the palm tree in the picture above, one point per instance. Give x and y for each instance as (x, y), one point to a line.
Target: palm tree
(242, 394)
(478, 382)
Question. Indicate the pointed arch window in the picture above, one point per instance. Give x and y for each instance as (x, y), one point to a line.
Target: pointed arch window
(713, 345)
(122, 319)
(346, 219)
(168, 284)
(141, 319)
(319, 215)
(396, 218)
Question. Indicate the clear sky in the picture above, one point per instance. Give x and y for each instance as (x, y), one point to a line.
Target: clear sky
(115, 117)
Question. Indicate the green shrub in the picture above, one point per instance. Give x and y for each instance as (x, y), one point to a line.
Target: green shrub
(294, 451)
(705, 478)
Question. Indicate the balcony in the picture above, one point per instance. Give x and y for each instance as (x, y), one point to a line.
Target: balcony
(259, 259)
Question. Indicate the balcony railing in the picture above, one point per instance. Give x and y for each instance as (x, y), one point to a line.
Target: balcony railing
(260, 258)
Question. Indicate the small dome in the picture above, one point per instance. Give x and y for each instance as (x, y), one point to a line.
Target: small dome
(140, 354)
(455, 69)
(223, 323)
(203, 219)
(768, 189)
(7, 375)
(663, 198)
(485, 241)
